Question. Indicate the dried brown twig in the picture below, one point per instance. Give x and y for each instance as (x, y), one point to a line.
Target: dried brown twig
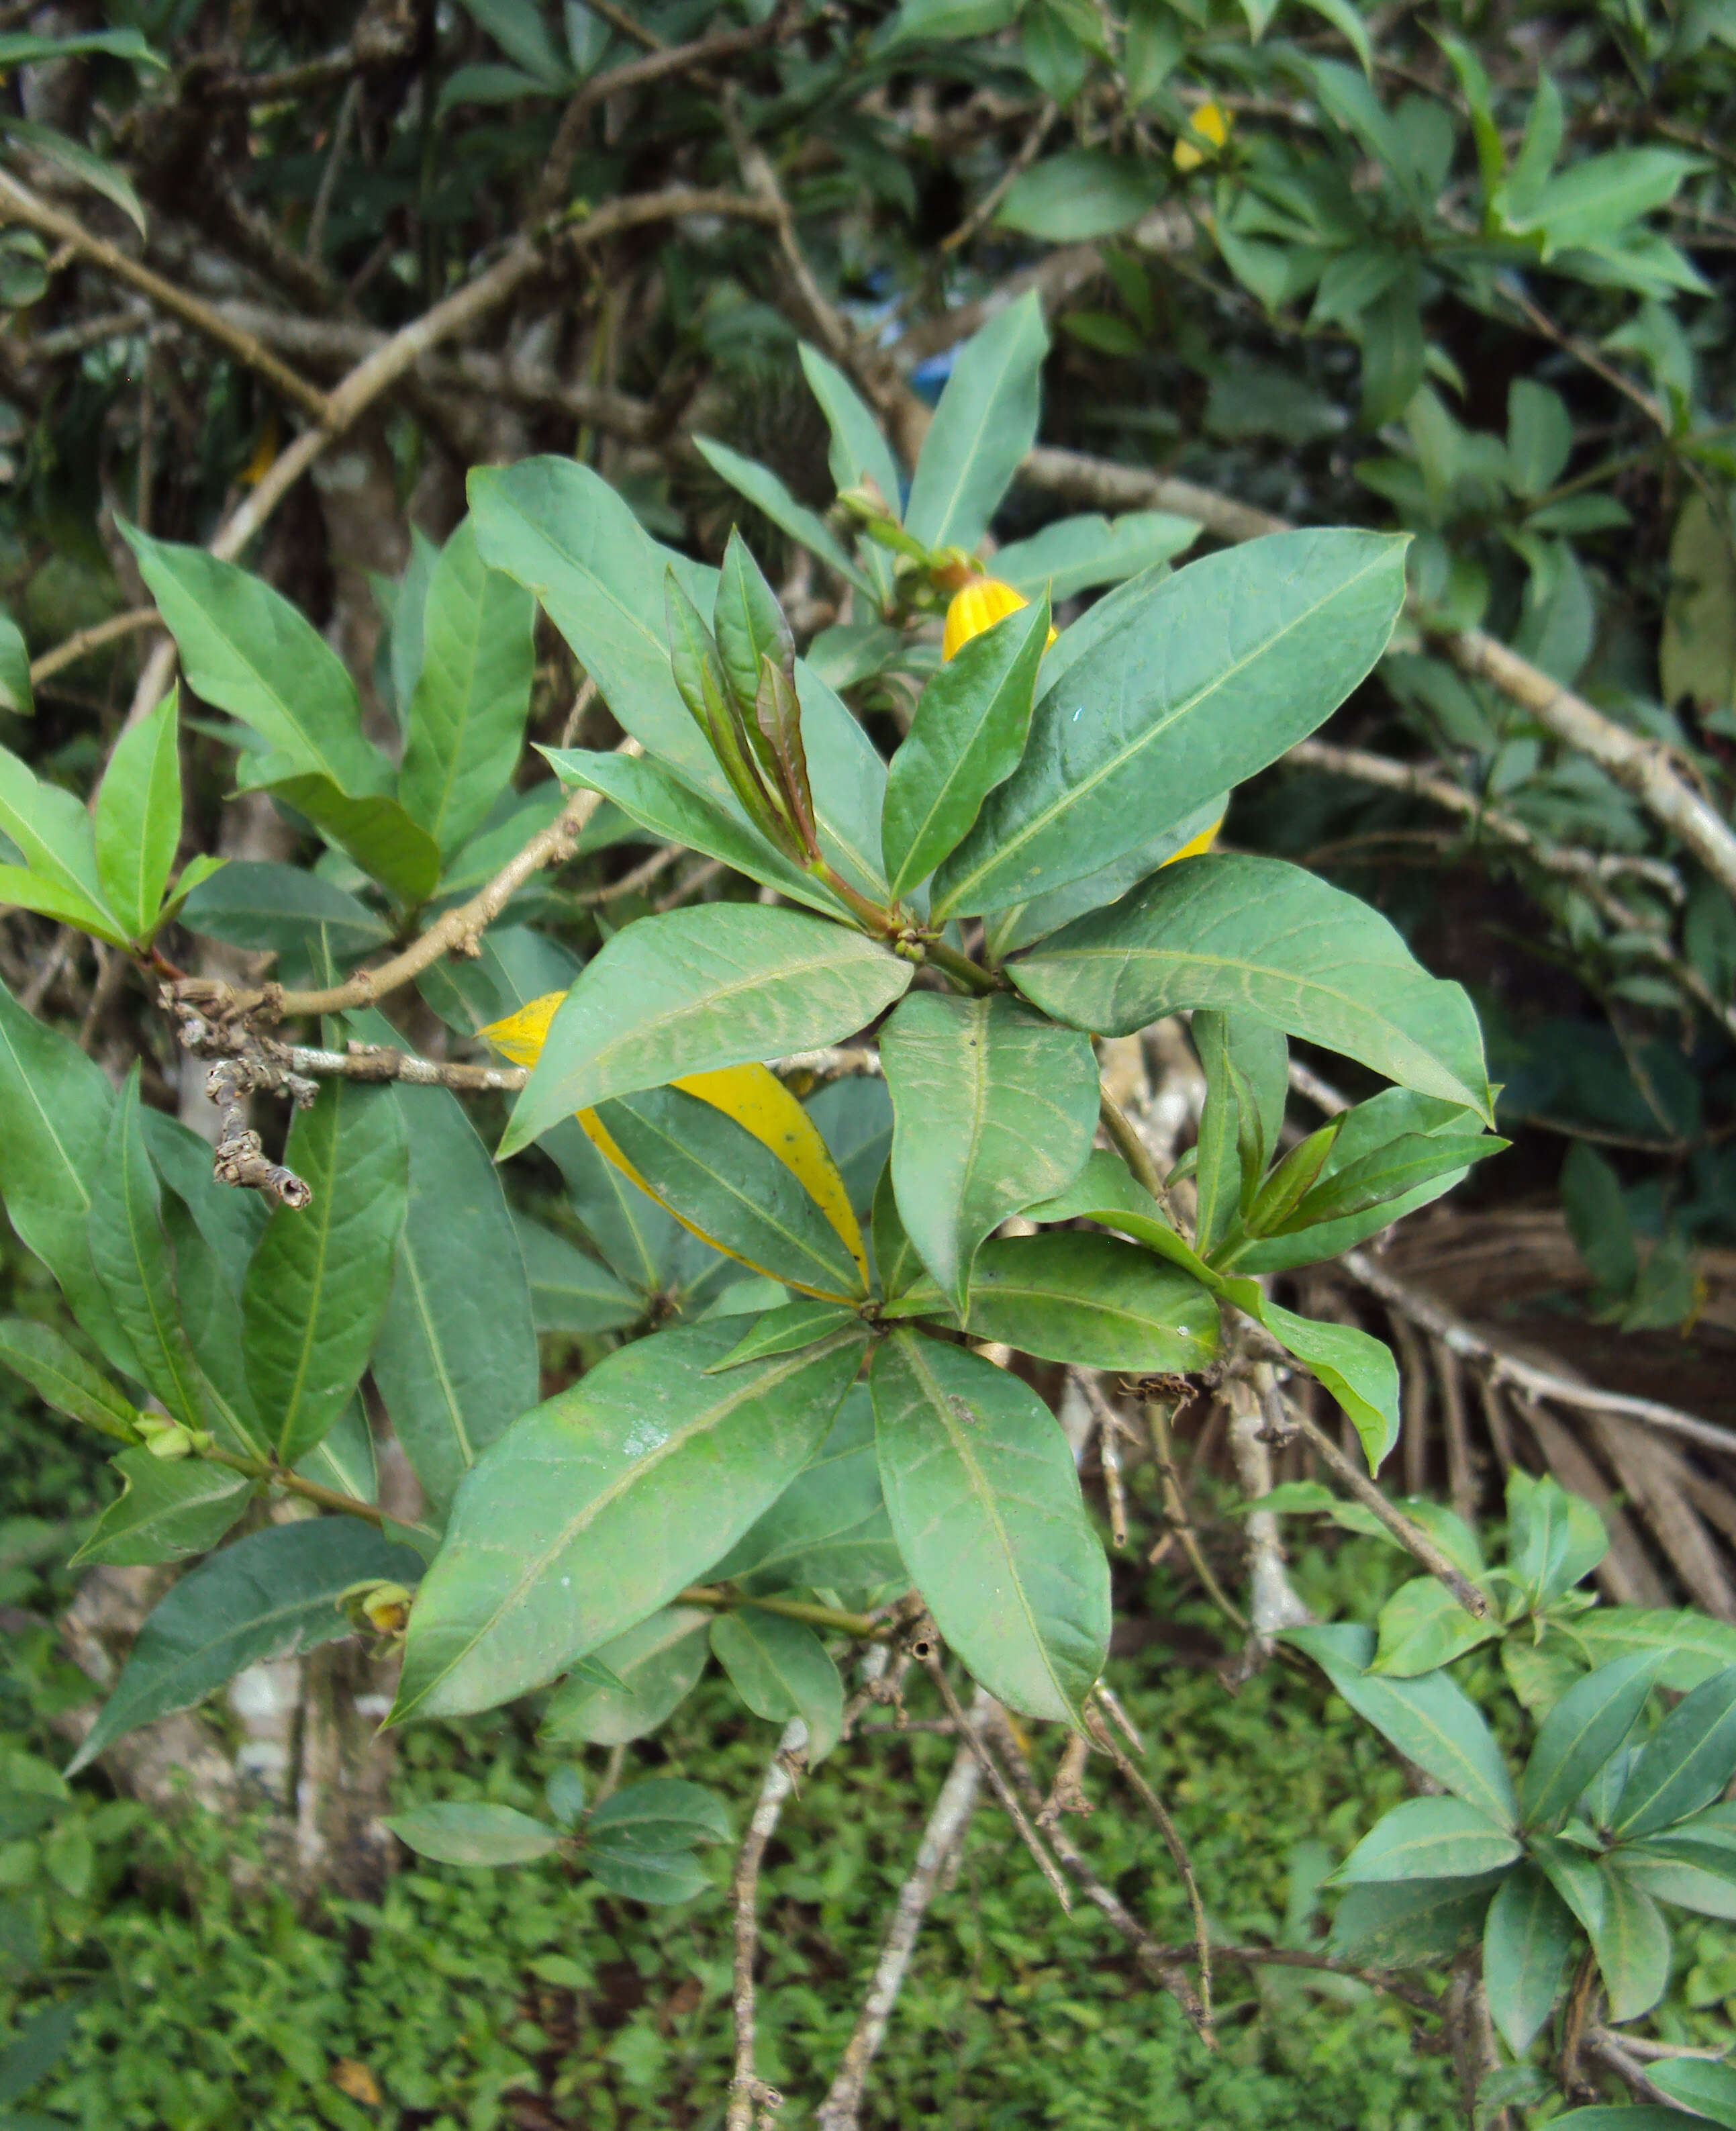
(752, 2101)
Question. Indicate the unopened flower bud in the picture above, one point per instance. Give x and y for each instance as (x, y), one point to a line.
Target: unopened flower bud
(1210, 124)
(982, 602)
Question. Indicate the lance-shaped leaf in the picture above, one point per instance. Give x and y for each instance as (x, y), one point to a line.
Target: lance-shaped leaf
(130, 1250)
(1075, 555)
(966, 736)
(598, 1507)
(748, 625)
(570, 1292)
(696, 989)
(858, 447)
(138, 818)
(1553, 1538)
(1020, 923)
(272, 1595)
(777, 719)
(1686, 1764)
(1391, 1172)
(780, 1668)
(984, 1503)
(318, 1281)
(57, 1104)
(1527, 1937)
(654, 1666)
(375, 831)
(61, 1377)
(452, 1833)
(714, 1174)
(54, 834)
(1410, 1923)
(16, 694)
(985, 424)
(785, 1330)
(1631, 1945)
(763, 488)
(829, 1527)
(1430, 1838)
(993, 1107)
(1706, 2089)
(1262, 937)
(472, 695)
(705, 688)
(662, 1813)
(285, 909)
(1171, 693)
(1579, 1734)
(456, 1357)
(1088, 1300)
(168, 1509)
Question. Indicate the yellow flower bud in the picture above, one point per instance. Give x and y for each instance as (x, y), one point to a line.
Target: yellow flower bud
(1209, 124)
(982, 602)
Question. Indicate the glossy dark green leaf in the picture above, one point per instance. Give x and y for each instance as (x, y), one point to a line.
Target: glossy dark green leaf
(598, 1507)
(232, 1221)
(570, 1292)
(786, 1330)
(1089, 1301)
(656, 1665)
(828, 1528)
(474, 1834)
(1631, 1946)
(1423, 1626)
(649, 1875)
(375, 831)
(638, 1239)
(895, 1255)
(1527, 1937)
(466, 717)
(1686, 1764)
(1575, 1875)
(1579, 1734)
(697, 989)
(456, 1357)
(1263, 937)
(1413, 1923)
(994, 1108)
(780, 1668)
(1430, 1838)
(282, 908)
(1553, 1538)
(715, 1173)
(138, 817)
(317, 1285)
(966, 737)
(169, 1508)
(662, 1813)
(984, 1501)
(1020, 923)
(1175, 690)
(1393, 1172)
(985, 424)
(1430, 1720)
(210, 1308)
(62, 1379)
(344, 1459)
(272, 1595)
(855, 1115)
(1688, 1646)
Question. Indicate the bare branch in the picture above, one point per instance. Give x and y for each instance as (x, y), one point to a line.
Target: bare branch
(751, 2101)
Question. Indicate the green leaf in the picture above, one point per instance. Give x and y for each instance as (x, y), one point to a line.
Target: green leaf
(24, 48)
(1693, 1867)
(662, 1813)
(29, 891)
(649, 1875)
(466, 716)
(131, 1253)
(1020, 923)
(1707, 2090)
(62, 1379)
(786, 1331)
(283, 908)
(1077, 554)
(656, 1665)
(1527, 1938)
(1078, 194)
(1686, 1764)
(1355, 1368)
(1430, 1720)
(1553, 1538)
(81, 164)
(1391, 1173)
(1263, 937)
(1625, 2116)
(1592, 202)
(232, 1221)
(1170, 692)
(966, 736)
(318, 1281)
(986, 422)
(635, 1238)
(895, 1255)
(992, 1108)
(712, 1171)
(828, 1528)
(456, 1358)
(1423, 1626)
(1574, 1876)
(595, 1509)
(858, 447)
(272, 1595)
(1430, 1838)
(1539, 436)
(167, 1510)
(1631, 1946)
(346, 1459)
(570, 1292)
(749, 626)
(246, 649)
(1579, 1734)
(454, 1834)
(57, 1104)
(1087, 1300)
(764, 490)
(138, 817)
(376, 831)
(1689, 1647)
(984, 1503)
(1412, 1924)
(53, 833)
(780, 1668)
(16, 693)
(696, 989)
(673, 812)
(1350, 26)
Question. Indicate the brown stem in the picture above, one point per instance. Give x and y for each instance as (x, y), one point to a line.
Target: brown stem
(1175, 1509)
(293, 1483)
(1568, 2074)
(750, 2099)
(84, 641)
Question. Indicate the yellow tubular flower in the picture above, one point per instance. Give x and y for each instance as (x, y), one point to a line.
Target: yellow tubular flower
(1210, 124)
(982, 602)
(754, 1096)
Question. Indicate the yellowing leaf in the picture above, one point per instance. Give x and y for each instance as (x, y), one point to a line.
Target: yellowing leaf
(1199, 847)
(752, 1095)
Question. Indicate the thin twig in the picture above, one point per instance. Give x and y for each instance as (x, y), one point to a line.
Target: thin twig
(315, 243)
(751, 2101)
(84, 641)
(1175, 1510)
(629, 884)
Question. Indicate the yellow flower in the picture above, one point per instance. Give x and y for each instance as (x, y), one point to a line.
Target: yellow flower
(982, 602)
(752, 1095)
(1209, 124)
